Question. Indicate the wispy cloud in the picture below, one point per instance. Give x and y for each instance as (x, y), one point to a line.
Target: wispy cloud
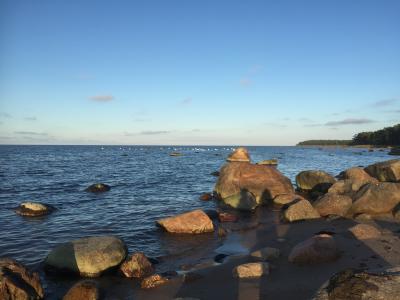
(5, 115)
(246, 82)
(186, 101)
(102, 98)
(31, 133)
(350, 121)
(248, 78)
(385, 102)
(154, 132)
(30, 119)
(305, 120)
(312, 125)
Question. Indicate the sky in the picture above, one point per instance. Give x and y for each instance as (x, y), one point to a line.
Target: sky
(197, 72)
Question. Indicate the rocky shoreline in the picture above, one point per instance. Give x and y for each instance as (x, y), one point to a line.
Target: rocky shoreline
(361, 205)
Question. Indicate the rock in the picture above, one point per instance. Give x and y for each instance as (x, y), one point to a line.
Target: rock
(239, 155)
(251, 270)
(352, 284)
(317, 249)
(385, 171)
(394, 151)
(365, 232)
(136, 265)
(215, 173)
(264, 182)
(241, 201)
(346, 187)
(195, 221)
(333, 204)
(175, 154)
(17, 282)
(268, 162)
(153, 281)
(314, 180)
(376, 198)
(286, 199)
(83, 290)
(206, 197)
(357, 174)
(34, 209)
(98, 188)
(227, 217)
(222, 232)
(300, 210)
(267, 253)
(88, 257)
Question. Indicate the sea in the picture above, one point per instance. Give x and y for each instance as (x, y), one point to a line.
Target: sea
(146, 184)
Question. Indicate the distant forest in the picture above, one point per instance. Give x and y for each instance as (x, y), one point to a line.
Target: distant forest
(389, 136)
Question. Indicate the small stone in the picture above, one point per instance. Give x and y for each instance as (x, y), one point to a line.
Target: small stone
(153, 281)
(83, 290)
(267, 253)
(98, 188)
(206, 197)
(137, 265)
(251, 270)
(175, 154)
(193, 222)
(269, 162)
(33, 209)
(365, 231)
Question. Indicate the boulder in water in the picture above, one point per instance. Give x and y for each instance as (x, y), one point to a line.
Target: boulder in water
(317, 249)
(206, 197)
(17, 282)
(251, 270)
(268, 162)
(239, 155)
(314, 180)
(98, 188)
(300, 210)
(241, 201)
(194, 222)
(136, 265)
(88, 257)
(34, 209)
(83, 290)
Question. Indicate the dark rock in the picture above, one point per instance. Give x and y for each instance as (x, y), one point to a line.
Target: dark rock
(98, 188)
(83, 290)
(215, 173)
(136, 265)
(206, 197)
(219, 258)
(153, 281)
(227, 217)
(314, 180)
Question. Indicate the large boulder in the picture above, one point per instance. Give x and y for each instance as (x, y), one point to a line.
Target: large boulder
(300, 210)
(354, 284)
(251, 270)
(385, 171)
(314, 180)
(88, 257)
(241, 201)
(137, 266)
(317, 249)
(194, 222)
(365, 232)
(376, 198)
(240, 155)
(264, 182)
(357, 174)
(347, 187)
(83, 290)
(17, 282)
(333, 204)
(34, 209)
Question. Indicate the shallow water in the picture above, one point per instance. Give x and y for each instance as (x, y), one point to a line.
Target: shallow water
(147, 184)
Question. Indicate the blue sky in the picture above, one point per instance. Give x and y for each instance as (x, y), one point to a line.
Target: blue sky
(197, 72)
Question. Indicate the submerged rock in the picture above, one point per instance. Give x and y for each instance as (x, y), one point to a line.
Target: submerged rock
(300, 210)
(98, 188)
(17, 282)
(88, 257)
(215, 173)
(376, 198)
(175, 154)
(315, 180)
(267, 253)
(241, 201)
(153, 281)
(34, 209)
(317, 249)
(268, 162)
(194, 222)
(385, 171)
(239, 155)
(354, 284)
(264, 182)
(136, 265)
(365, 231)
(83, 290)
(206, 197)
(251, 270)
(333, 204)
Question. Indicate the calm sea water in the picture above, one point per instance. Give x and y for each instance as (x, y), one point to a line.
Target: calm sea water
(147, 184)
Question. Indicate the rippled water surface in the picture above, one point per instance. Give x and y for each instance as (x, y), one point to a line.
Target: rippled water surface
(147, 184)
